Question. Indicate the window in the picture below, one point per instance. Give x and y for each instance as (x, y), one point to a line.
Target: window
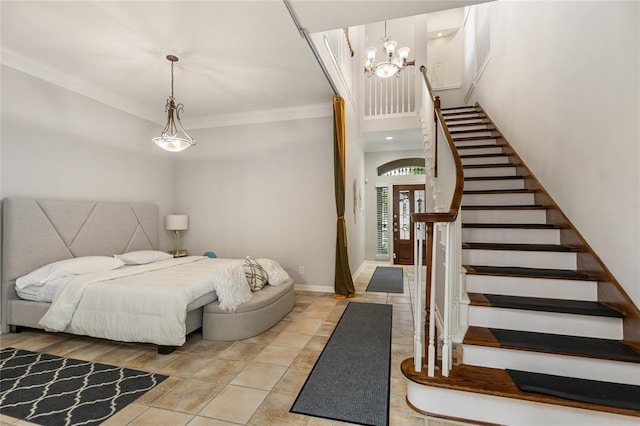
(382, 202)
(405, 171)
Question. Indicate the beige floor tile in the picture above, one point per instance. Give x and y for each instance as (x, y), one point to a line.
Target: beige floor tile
(206, 421)
(317, 342)
(121, 355)
(292, 340)
(326, 329)
(222, 370)
(159, 391)
(259, 376)
(304, 326)
(126, 415)
(278, 355)
(264, 338)
(36, 340)
(274, 411)
(292, 381)
(306, 359)
(234, 404)
(185, 365)
(93, 350)
(242, 350)
(66, 346)
(406, 419)
(158, 417)
(189, 396)
(151, 361)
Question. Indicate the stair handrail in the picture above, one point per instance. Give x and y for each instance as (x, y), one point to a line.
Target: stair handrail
(449, 225)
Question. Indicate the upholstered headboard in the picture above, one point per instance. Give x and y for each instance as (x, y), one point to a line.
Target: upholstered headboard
(37, 232)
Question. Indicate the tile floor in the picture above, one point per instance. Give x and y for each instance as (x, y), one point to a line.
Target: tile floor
(253, 381)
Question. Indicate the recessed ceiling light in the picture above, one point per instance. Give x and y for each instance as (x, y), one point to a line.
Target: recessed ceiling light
(439, 35)
(389, 138)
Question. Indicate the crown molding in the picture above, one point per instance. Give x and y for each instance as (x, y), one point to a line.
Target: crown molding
(102, 95)
(299, 112)
(77, 85)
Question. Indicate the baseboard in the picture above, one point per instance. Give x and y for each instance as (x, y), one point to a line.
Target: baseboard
(315, 288)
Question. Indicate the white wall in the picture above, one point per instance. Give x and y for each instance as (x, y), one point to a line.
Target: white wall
(58, 144)
(373, 160)
(263, 190)
(563, 86)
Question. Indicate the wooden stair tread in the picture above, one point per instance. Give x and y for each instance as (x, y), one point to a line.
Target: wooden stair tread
(512, 207)
(498, 154)
(539, 304)
(496, 382)
(558, 248)
(515, 271)
(478, 178)
(488, 166)
(454, 122)
(500, 191)
(590, 347)
(513, 226)
(475, 138)
(462, 131)
(478, 146)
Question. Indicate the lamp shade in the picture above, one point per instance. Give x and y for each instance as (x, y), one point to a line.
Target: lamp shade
(177, 222)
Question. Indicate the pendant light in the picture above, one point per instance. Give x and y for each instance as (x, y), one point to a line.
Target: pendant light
(174, 137)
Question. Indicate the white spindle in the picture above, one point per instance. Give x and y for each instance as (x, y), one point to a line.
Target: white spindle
(431, 351)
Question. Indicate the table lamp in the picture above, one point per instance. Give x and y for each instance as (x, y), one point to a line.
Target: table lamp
(176, 223)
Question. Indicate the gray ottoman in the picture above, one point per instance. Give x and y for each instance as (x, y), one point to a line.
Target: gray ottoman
(265, 309)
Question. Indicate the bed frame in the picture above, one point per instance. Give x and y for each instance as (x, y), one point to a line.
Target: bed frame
(37, 232)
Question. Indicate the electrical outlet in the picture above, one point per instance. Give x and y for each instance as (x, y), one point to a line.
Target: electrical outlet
(301, 270)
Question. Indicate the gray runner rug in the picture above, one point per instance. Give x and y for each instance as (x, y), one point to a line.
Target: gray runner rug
(350, 380)
(52, 390)
(386, 279)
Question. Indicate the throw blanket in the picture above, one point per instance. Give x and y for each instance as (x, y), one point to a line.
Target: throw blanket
(146, 303)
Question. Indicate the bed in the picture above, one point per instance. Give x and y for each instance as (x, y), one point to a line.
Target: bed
(158, 303)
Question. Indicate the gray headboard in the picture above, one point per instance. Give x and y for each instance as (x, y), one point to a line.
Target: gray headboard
(37, 232)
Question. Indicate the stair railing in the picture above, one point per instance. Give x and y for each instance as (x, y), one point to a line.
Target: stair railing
(443, 282)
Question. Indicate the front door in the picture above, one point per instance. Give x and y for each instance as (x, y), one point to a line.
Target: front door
(407, 199)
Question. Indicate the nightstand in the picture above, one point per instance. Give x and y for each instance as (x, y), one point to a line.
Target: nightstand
(179, 253)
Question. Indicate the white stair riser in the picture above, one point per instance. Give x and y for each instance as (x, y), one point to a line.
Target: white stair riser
(485, 160)
(511, 199)
(504, 216)
(559, 365)
(456, 127)
(485, 133)
(546, 322)
(455, 111)
(533, 287)
(506, 411)
(506, 235)
(488, 185)
(489, 171)
(488, 141)
(523, 259)
(481, 151)
(453, 122)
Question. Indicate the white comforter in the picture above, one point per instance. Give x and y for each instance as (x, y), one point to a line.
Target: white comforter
(146, 303)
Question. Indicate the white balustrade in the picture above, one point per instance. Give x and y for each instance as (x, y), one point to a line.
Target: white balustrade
(386, 97)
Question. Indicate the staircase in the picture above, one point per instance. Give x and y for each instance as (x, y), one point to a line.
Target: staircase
(534, 314)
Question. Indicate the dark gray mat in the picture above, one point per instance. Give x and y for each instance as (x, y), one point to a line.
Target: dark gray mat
(558, 343)
(52, 390)
(591, 391)
(386, 279)
(350, 380)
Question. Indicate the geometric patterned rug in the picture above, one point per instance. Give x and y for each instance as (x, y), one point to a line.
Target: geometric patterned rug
(52, 390)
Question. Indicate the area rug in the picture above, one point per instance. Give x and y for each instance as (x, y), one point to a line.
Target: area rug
(386, 279)
(350, 380)
(51, 390)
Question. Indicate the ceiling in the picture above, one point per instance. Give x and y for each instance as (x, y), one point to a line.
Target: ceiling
(236, 57)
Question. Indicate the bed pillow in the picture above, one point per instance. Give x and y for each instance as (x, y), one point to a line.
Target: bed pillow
(68, 267)
(276, 273)
(142, 257)
(256, 275)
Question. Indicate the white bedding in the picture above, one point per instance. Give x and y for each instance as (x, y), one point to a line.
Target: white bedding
(146, 303)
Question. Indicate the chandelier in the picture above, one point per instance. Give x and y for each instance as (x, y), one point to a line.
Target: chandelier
(173, 138)
(391, 65)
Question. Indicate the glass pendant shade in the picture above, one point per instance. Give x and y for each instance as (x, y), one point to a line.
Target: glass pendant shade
(386, 69)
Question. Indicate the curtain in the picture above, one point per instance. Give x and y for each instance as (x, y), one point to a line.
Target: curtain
(343, 282)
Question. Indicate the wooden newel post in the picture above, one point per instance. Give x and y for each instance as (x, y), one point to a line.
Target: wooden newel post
(428, 284)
